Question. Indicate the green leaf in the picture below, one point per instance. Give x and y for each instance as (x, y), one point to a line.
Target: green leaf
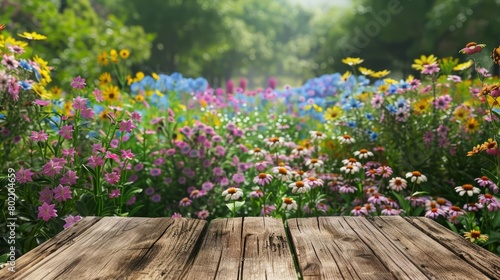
(236, 205)
(133, 211)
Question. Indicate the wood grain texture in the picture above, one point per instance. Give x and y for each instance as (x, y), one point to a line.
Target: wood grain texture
(249, 248)
(328, 248)
(56, 244)
(117, 248)
(481, 259)
(266, 254)
(434, 260)
(395, 261)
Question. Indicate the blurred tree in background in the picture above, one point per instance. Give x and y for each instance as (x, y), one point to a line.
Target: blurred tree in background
(255, 39)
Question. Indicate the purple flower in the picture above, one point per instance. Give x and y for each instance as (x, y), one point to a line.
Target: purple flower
(112, 178)
(70, 220)
(78, 83)
(24, 175)
(98, 95)
(155, 172)
(66, 131)
(79, 103)
(69, 178)
(220, 151)
(95, 161)
(131, 200)
(238, 178)
(39, 136)
(52, 168)
(114, 193)
(46, 195)
(207, 186)
(88, 113)
(62, 193)
(127, 154)
(46, 211)
(156, 198)
(127, 125)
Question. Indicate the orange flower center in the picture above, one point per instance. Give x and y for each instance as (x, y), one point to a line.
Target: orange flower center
(357, 208)
(288, 200)
(488, 196)
(416, 174)
(468, 187)
(299, 184)
(434, 210)
(314, 160)
(185, 199)
(398, 182)
(282, 170)
(441, 201)
(195, 192)
(471, 44)
(262, 175)
(353, 160)
(363, 151)
(231, 190)
(256, 150)
(311, 179)
(455, 208)
(319, 133)
(299, 148)
(274, 139)
(346, 136)
(475, 233)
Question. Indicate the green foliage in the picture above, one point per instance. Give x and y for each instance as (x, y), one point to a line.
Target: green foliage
(76, 35)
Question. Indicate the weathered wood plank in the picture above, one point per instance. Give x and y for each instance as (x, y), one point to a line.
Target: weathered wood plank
(482, 259)
(400, 266)
(55, 245)
(220, 255)
(266, 253)
(249, 248)
(434, 260)
(115, 247)
(328, 248)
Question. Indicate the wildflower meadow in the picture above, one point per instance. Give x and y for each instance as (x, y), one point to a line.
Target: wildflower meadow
(125, 143)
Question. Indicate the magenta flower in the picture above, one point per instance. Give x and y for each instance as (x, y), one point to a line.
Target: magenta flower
(88, 113)
(98, 95)
(155, 172)
(112, 178)
(46, 211)
(66, 131)
(42, 103)
(238, 178)
(10, 61)
(112, 156)
(39, 136)
(46, 195)
(185, 202)
(24, 175)
(78, 83)
(115, 193)
(203, 214)
(79, 103)
(431, 69)
(70, 220)
(127, 125)
(69, 178)
(472, 48)
(127, 154)
(62, 193)
(434, 213)
(52, 168)
(262, 179)
(207, 186)
(95, 161)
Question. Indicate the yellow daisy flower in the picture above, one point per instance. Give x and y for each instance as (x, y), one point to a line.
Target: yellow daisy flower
(102, 58)
(32, 36)
(424, 60)
(390, 81)
(421, 106)
(155, 76)
(104, 78)
(56, 92)
(463, 66)
(461, 113)
(9, 41)
(346, 76)
(474, 235)
(138, 76)
(140, 98)
(111, 93)
(41, 91)
(471, 125)
(124, 53)
(380, 74)
(351, 61)
(333, 113)
(365, 71)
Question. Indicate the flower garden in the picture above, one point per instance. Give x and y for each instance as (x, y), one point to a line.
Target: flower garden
(164, 145)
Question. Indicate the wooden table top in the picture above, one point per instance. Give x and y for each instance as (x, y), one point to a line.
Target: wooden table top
(257, 248)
